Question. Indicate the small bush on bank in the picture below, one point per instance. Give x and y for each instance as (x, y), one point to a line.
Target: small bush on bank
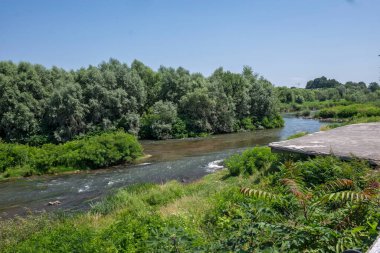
(247, 124)
(272, 122)
(250, 161)
(87, 153)
(303, 113)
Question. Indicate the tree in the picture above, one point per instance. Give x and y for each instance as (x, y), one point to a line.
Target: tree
(373, 86)
(65, 113)
(61, 104)
(197, 108)
(322, 82)
(158, 122)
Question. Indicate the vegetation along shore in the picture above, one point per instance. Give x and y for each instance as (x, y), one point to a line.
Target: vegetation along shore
(262, 202)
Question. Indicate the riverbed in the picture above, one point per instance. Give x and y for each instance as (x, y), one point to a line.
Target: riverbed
(184, 160)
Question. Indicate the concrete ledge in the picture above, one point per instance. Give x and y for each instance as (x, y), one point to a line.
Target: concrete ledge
(359, 140)
(375, 248)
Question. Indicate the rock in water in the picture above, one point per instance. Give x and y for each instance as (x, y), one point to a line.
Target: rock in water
(54, 203)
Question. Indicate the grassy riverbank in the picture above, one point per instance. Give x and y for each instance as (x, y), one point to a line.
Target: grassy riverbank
(312, 105)
(92, 152)
(350, 111)
(350, 114)
(291, 205)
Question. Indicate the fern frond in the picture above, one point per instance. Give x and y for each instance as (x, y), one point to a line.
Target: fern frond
(295, 188)
(339, 184)
(258, 193)
(347, 196)
(291, 170)
(289, 164)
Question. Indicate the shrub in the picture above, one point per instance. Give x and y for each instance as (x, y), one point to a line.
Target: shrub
(272, 122)
(87, 153)
(322, 169)
(327, 113)
(247, 123)
(250, 161)
(303, 113)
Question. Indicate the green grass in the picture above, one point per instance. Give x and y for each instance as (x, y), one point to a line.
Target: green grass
(355, 120)
(212, 215)
(297, 135)
(87, 153)
(312, 105)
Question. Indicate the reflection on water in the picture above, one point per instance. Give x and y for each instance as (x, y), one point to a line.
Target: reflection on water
(184, 160)
(176, 149)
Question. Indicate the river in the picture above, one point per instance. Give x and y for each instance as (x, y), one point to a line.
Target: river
(184, 160)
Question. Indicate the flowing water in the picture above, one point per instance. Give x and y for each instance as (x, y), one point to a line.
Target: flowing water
(184, 160)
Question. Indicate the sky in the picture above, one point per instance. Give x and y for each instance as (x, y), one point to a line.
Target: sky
(287, 41)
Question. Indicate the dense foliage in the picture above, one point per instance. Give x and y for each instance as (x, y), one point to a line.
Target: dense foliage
(250, 161)
(87, 153)
(350, 111)
(323, 92)
(39, 105)
(288, 205)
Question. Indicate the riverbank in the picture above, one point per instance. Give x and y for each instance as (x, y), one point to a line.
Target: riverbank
(174, 159)
(93, 152)
(212, 215)
(339, 113)
(350, 114)
(87, 152)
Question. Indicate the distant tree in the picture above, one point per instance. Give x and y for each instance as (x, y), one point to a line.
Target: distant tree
(353, 85)
(197, 108)
(322, 82)
(263, 102)
(159, 121)
(38, 104)
(373, 86)
(174, 83)
(130, 122)
(65, 113)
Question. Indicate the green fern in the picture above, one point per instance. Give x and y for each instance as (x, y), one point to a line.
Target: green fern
(258, 194)
(346, 196)
(339, 184)
(368, 193)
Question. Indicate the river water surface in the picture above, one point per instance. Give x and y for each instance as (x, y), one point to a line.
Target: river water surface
(184, 160)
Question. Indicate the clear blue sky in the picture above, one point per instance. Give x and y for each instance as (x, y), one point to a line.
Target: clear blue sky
(287, 41)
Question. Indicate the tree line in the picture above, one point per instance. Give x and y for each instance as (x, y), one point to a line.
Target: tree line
(323, 89)
(40, 105)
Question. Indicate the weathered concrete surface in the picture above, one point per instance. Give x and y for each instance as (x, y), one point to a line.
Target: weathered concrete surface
(375, 246)
(358, 140)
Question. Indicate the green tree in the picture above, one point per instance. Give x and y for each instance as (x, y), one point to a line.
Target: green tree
(65, 113)
(159, 121)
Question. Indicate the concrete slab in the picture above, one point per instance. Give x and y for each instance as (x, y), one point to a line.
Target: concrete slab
(375, 248)
(358, 140)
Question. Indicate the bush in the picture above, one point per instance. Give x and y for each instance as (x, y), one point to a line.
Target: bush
(327, 113)
(247, 124)
(272, 122)
(303, 113)
(87, 153)
(323, 169)
(250, 161)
